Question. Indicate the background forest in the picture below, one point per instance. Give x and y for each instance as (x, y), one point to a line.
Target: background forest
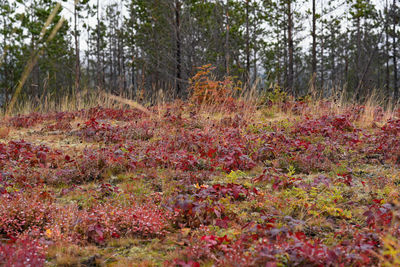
(139, 48)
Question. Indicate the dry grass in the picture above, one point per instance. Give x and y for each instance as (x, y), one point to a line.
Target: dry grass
(4, 132)
(83, 100)
(72, 255)
(371, 105)
(250, 99)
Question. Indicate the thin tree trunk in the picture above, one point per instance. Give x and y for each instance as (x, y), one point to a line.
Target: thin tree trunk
(133, 80)
(346, 65)
(99, 60)
(279, 53)
(119, 62)
(346, 82)
(290, 46)
(387, 74)
(359, 81)
(227, 49)
(333, 57)
(5, 62)
(395, 78)
(314, 43)
(247, 43)
(111, 62)
(255, 50)
(123, 65)
(178, 48)
(89, 71)
(285, 58)
(322, 52)
(77, 51)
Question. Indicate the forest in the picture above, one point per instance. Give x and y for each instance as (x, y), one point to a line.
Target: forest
(139, 48)
(199, 133)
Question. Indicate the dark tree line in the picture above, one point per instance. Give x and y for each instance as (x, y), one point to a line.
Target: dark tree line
(134, 47)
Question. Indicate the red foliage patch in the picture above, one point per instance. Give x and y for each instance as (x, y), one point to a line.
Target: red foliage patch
(20, 213)
(108, 221)
(25, 121)
(101, 113)
(21, 253)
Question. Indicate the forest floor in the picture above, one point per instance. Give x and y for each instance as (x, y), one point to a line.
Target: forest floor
(286, 184)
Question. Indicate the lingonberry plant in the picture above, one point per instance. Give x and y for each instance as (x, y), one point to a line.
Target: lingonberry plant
(291, 183)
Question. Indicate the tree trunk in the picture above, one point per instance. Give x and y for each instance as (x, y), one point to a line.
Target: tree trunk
(77, 50)
(89, 71)
(285, 59)
(333, 57)
(133, 80)
(322, 53)
(290, 47)
(395, 78)
(278, 52)
(227, 49)
(111, 83)
(99, 60)
(255, 49)
(5, 62)
(346, 65)
(387, 74)
(247, 43)
(178, 48)
(314, 44)
(359, 82)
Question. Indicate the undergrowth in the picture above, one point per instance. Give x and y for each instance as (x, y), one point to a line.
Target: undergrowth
(204, 182)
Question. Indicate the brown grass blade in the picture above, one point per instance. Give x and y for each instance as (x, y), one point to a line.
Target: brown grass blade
(32, 62)
(128, 102)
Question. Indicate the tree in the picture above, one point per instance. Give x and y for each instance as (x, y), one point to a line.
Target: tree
(8, 49)
(314, 43)
(178, 47)
(79, 6)
(395, 21)
(290, 45)
(38, 20)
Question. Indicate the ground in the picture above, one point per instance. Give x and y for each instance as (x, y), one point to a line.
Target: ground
(281, 183)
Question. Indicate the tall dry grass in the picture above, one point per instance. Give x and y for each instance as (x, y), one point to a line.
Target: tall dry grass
(84, 99)
(35, 56)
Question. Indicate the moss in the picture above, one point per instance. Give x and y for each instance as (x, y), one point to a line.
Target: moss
(137, 252)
